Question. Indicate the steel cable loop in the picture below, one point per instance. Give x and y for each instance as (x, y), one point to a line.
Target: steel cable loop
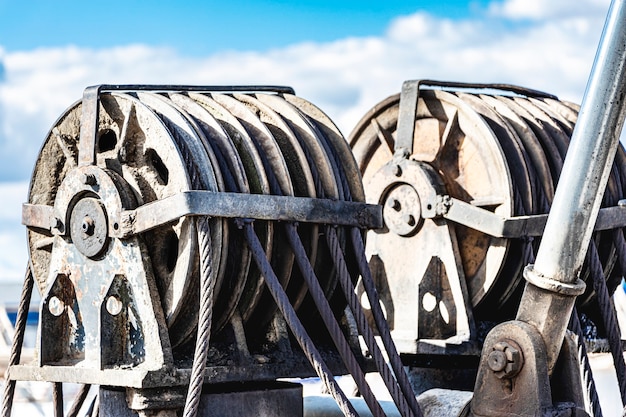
(79, 400)
(207, 286)
(608, 317)
(380, 321)
(362, 324)
(294, 323)
(330, 321)
(18, 340)
(57, 398)
(590, 384)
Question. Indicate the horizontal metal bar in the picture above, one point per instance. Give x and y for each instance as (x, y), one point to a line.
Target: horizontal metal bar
(197, 88)
(520, 226)
(38, 215)
(253, 206)
(452, 85)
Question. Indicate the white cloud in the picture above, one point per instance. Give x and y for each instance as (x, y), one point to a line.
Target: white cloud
(553, 51)
(553, 9)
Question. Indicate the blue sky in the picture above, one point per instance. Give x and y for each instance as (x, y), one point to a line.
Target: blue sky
(343, 56)
(201, 27)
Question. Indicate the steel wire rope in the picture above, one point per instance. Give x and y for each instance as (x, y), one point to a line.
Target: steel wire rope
(608, 317)
(79, 400)
(331, 323)
(574, 324)
(383, 328)
(323, 306)
(379, 319)
(590, 383)
(207, 286)
(364, 328)
(294, 323)
(57, 398)
(18, 340)
(401, 378)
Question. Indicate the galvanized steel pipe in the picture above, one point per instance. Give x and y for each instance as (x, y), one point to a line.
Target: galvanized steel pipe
(581, 187)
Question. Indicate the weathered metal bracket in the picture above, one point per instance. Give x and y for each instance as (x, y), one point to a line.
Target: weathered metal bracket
(490, 223)
(227, 205)
(409, 98)
(513, 376)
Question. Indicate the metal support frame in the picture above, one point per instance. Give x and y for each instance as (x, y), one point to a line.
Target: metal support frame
(553, 281)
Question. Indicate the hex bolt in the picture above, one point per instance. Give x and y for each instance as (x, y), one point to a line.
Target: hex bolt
(497, 361)
(88, 226)
(90, 179)
(506, 359)
(114, 305)
(409, 219)
(56, 307)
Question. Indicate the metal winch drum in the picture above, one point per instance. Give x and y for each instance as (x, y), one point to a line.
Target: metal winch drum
(157, 212)
(152, 146)
(466, 175)
(164, 217)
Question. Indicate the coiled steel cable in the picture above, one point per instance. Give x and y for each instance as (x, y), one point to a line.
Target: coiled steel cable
(608, 317)
(590, 384)
(18, 340)
(331, 323)
(294, 323)
(207, 286)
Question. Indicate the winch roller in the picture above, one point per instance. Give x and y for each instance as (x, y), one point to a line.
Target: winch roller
(496, 150)
(153, 145)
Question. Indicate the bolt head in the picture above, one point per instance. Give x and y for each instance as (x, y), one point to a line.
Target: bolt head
(506, 359)
(497, 361)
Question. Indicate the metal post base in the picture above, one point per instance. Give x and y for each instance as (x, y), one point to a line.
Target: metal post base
(270, 399)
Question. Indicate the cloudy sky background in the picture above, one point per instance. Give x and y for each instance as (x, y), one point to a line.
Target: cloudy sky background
(343, 58)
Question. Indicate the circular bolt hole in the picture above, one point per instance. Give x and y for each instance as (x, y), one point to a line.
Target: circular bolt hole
(429, 302)
(171, 251)
(114, 305)
(116, 226)
(107, 140)
(397, 171)
(56, 307)
(429, 206)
